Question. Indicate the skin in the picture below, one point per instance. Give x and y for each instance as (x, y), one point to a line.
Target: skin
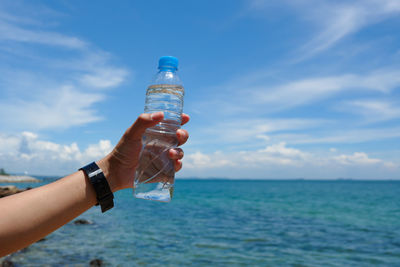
(31, 215)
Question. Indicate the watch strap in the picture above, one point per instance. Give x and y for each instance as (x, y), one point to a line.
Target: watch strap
(101, 187)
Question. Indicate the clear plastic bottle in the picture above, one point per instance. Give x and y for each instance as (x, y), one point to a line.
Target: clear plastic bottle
(155, 175)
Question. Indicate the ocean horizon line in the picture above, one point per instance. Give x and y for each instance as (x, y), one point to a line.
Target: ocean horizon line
(246, 179)
(287, 179)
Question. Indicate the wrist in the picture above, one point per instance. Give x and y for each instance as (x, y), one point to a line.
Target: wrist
(96, 176)
(106, 166)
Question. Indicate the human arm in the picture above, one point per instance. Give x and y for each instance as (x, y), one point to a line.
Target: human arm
(29, 216)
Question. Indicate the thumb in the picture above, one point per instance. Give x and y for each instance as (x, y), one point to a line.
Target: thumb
(144, 121)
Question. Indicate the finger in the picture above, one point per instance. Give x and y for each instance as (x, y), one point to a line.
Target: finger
(144, 121)
(185, 118)
(182, 136)
(176, 153)
(178, 165)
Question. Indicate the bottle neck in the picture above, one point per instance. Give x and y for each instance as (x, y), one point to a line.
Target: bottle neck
(167, 75)
(169, 69)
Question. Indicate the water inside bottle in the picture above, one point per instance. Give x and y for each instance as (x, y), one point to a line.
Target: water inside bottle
(167, 98)
(155, 173)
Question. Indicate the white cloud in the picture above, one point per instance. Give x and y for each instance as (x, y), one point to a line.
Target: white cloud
(27, 152)
(9, 32)
(104, 78)
(200, 160)
(280, 161)
(41, 90)
(275, 154)
(241, 130)
(338, 21)
(255, 95)
(246, 124)
(8, 144)
(362, 159)
(333, 20)
(280, 150)
(272, 155)
(356, 158)
(309, 90)
(373, 110)
(96, 151)
(339, 135)
(59, 108)
(25, 23)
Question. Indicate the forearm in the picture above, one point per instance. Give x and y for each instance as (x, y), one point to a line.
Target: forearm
(50, 207)
(29, 216)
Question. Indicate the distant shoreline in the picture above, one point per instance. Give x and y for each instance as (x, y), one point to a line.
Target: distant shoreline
(18, 179)
(292, 179)
(29, 179)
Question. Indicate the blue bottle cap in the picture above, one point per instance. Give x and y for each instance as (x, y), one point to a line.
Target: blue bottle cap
(168, 62)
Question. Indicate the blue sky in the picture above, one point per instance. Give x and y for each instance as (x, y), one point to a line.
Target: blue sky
(275, 89)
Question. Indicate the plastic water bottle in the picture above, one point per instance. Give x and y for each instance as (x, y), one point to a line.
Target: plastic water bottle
(155, 175)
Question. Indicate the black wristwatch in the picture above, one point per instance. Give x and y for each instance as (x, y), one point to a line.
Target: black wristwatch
(98, 180)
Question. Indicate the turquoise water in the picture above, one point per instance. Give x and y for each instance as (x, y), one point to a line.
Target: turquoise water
(236, 223)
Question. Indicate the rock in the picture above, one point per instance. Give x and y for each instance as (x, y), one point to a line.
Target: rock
(9, 190)
(82, 221)
(96, 263)
(8, 263)
(17, 179)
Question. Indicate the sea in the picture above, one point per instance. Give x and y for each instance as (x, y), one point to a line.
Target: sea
(234, 223)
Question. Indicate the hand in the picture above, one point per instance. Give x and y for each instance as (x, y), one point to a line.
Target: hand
(119, 166)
